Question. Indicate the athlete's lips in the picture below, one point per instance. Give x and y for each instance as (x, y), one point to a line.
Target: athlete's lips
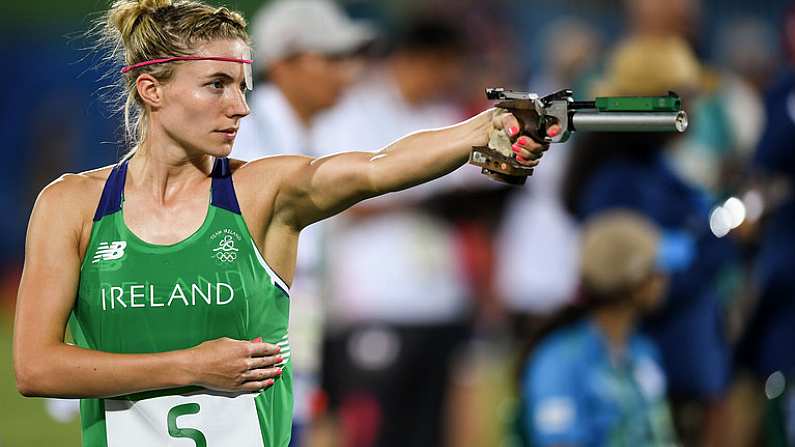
(229, 132)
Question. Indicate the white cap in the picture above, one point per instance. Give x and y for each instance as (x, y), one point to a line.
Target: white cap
(284, 28)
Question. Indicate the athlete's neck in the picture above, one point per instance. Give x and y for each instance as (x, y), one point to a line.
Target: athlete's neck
(164, 172)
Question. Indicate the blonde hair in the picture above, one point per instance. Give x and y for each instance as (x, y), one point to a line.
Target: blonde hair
(619, 250)
(134, 31)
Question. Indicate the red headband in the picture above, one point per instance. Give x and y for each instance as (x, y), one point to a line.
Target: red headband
(184, 58)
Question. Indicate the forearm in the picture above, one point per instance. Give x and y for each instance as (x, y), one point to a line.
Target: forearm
(69, 371)
(426, 155)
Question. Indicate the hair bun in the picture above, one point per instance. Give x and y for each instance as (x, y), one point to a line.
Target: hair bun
(151, 6)
(124, 14)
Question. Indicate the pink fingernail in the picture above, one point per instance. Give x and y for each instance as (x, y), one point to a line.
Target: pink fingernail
(553, 131)
(516, 149)
(520, 158)
(278, 370)
(513, 130)
(257, 340)
(522, 140)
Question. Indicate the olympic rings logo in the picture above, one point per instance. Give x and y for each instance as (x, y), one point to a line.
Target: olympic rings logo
(226, 251)
(226, 257)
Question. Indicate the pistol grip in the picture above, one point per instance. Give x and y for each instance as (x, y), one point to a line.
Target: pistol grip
(499, 167)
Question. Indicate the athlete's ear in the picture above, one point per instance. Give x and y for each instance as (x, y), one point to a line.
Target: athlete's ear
(150, 90)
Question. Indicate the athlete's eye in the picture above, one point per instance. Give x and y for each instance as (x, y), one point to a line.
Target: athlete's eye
(217, 84)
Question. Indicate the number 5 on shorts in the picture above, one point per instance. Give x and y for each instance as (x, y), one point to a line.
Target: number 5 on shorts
(191, 433)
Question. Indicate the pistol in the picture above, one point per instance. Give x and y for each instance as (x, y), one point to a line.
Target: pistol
(604, 114)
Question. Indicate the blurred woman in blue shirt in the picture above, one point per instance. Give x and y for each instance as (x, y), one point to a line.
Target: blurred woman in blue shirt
(594, 381)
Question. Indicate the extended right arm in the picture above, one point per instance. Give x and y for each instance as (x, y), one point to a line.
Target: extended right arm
(47, 366)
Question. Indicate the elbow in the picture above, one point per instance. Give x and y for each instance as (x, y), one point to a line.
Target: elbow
(26, 383)
(29, 379)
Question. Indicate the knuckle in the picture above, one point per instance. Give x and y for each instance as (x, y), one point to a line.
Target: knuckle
(243, 365)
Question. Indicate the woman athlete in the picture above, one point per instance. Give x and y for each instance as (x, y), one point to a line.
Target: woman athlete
(171, 268)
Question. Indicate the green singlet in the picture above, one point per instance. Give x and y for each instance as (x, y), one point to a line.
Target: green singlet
(137, 297)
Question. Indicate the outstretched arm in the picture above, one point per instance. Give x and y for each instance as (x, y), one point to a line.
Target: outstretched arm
(313, 189)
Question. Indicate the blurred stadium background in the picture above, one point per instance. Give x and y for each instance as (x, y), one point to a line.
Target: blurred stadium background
(53, 119)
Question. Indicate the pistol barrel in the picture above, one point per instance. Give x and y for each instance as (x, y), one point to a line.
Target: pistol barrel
(629, 121)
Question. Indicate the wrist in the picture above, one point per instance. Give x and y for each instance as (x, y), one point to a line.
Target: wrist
(482, 124)
(182, 363)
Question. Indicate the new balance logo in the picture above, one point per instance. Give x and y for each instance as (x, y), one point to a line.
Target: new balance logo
(109, 251)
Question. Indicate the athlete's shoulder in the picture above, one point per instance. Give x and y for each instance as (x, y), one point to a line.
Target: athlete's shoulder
(269, 168)
(77, 184)
(271, 162)
(74, 191)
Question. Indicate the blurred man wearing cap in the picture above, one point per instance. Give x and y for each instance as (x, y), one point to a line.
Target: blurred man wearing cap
(305, 57)
(303, 50)
(592, 380)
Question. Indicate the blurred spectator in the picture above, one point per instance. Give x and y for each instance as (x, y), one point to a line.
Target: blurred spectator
(399, 295)
(305, 54)
(629, 170)
(593, 380)
(727, 117)
(571, 54)
(662, 19)
(765, 347)
(747, 47)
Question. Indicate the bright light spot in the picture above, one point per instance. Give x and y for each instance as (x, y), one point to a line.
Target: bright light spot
(374, 348)
(63, 410)
(775, 385)
(754, 204)
(720, 222)
(736, 209)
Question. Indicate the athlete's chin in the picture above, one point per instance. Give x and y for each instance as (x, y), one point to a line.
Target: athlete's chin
(220, 151)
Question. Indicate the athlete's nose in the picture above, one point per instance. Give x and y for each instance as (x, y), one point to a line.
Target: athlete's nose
(239, 106)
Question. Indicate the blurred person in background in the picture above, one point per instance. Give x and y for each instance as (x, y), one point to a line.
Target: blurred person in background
(662, 19)
(591, 378)
(306, 56)
(726, 116)
(399, 297)
(747, 55)
(571, 54)
(630, 170)
(766, 345)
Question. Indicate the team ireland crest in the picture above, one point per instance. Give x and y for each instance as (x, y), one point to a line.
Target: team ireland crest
(225, 246)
